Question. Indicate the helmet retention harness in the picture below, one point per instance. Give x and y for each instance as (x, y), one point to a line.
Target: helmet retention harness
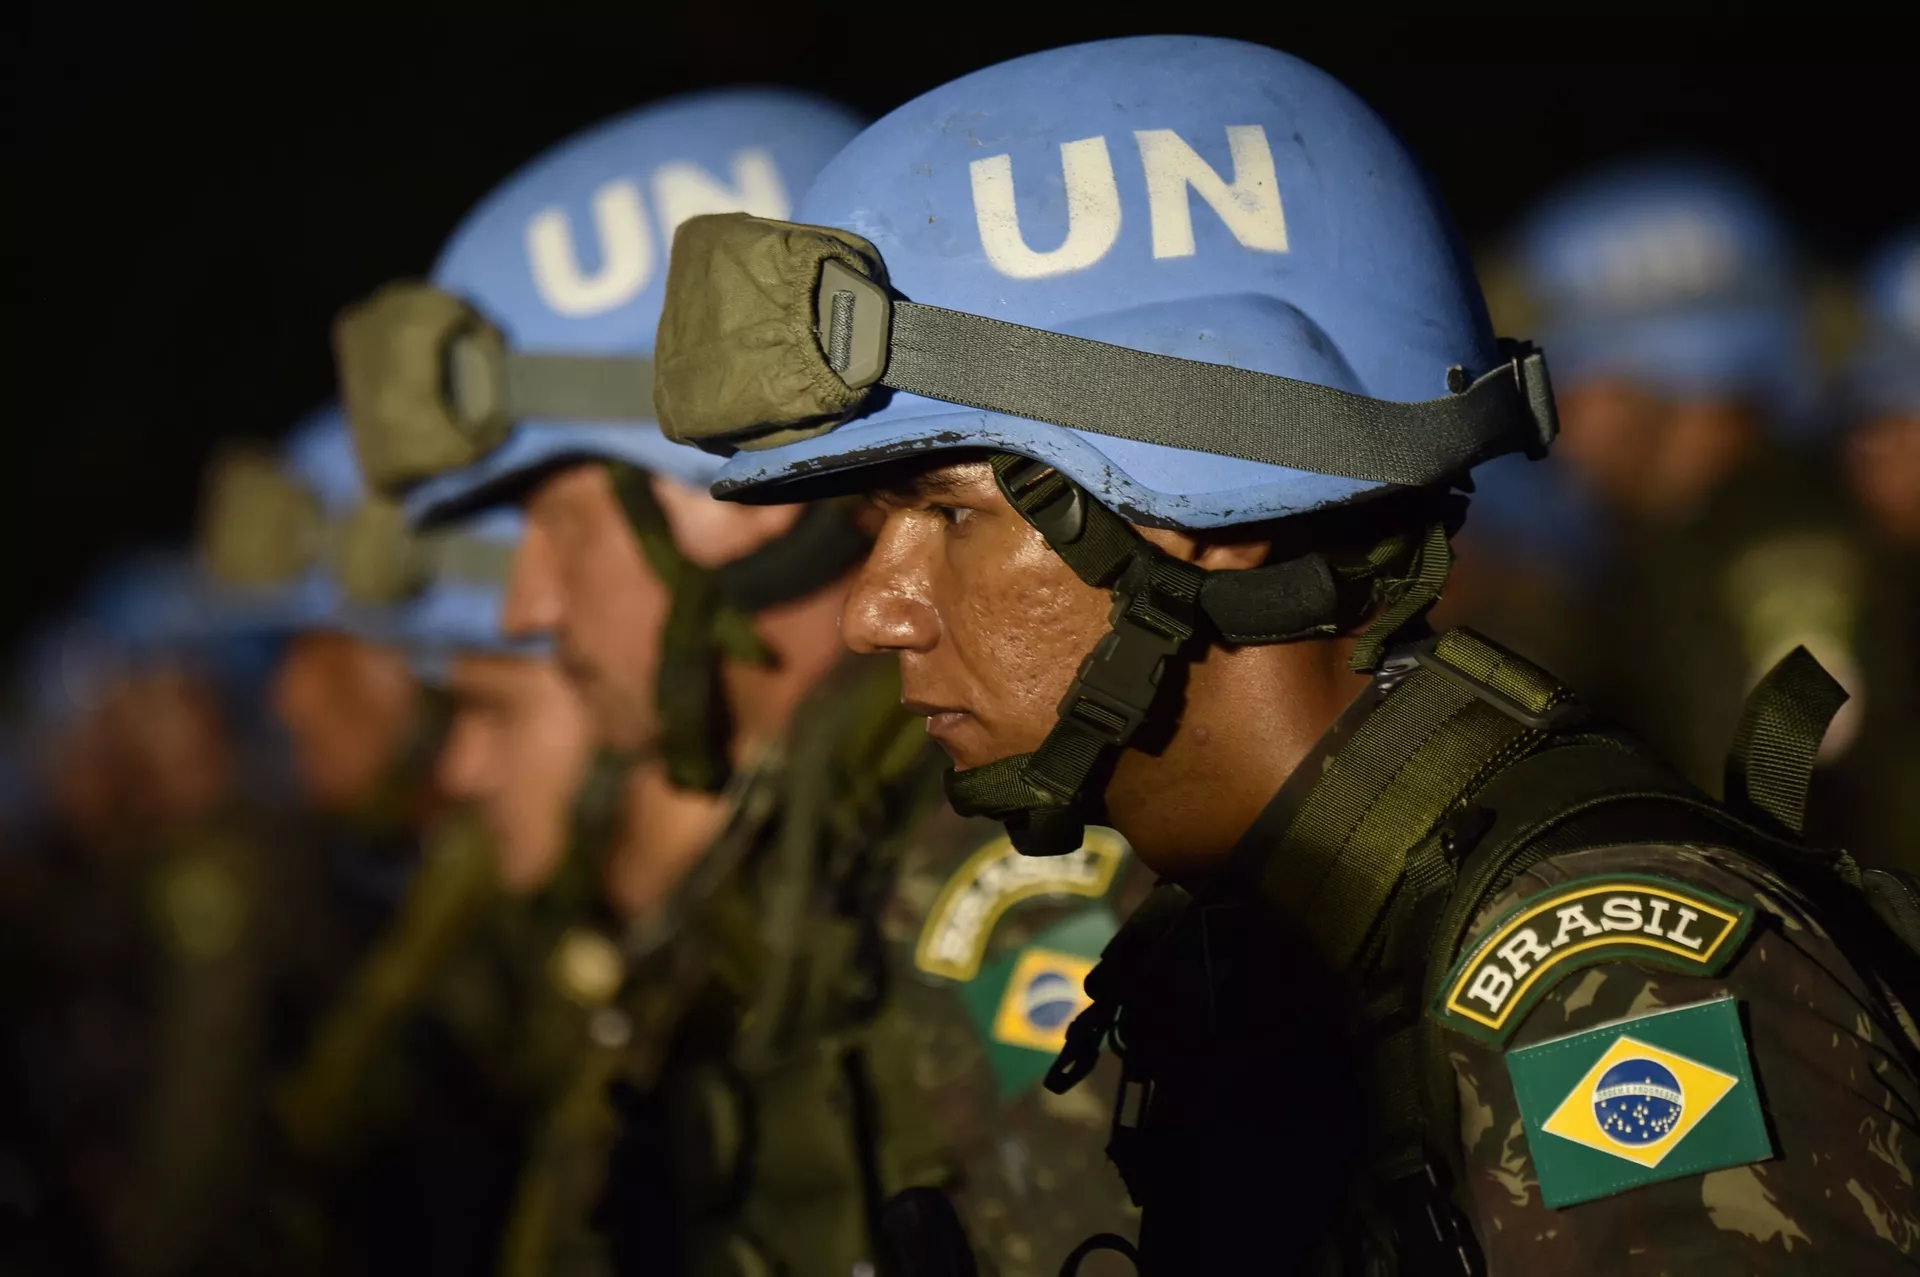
(1160, 604)
(431, 385)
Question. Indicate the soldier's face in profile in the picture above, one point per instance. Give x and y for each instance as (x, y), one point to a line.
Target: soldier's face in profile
(988, 622)
(1652, 457)
(581, 575)
(175, 741)
(519, 748)
(351, 710)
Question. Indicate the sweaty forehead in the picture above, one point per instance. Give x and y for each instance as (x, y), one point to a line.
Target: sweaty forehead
(929, 478)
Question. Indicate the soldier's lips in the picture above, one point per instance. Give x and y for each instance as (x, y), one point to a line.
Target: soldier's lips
(944, 723)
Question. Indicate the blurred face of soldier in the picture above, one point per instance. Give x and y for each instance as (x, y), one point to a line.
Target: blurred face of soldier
(990, 626)
(1883, 464)
(580, 574)
(152, 753)
(1651, 457)
(351, 709)
(519, 747)
(173, 738)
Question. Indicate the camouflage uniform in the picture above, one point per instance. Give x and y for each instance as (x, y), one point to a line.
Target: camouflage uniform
(800, 1055)
(990, 950)
(1831, 1047)
(433, 1074)
(1313, 1084)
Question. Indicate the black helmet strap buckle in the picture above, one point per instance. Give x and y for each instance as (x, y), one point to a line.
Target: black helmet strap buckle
(1160, 604)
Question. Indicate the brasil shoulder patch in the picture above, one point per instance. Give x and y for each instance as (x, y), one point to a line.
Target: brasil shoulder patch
(996, 878)
(1646, 919)
(1657, 1097)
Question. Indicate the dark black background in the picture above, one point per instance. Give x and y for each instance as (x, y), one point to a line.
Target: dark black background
(194, 197)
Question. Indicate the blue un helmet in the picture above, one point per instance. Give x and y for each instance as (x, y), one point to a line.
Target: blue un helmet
(1884, 376)
(532, 349)
(532, 345)
(1676, 274)
(1194, 282)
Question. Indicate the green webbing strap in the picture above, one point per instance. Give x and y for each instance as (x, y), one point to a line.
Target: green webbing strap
(702, 627)
(540, 385)
(1203, 407)
(1418, 591)
(1433, 739)
(1770, 767)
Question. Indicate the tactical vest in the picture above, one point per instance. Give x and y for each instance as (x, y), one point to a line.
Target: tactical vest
(1462, 766)
(759, 1058)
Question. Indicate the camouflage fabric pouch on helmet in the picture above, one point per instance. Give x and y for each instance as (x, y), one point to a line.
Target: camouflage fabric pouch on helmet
(420, 376)
(740, 361)
(257, 527)
(375, 557)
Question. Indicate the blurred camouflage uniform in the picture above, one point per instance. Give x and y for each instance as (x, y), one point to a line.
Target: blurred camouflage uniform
(445, 1052)
(792, 1041)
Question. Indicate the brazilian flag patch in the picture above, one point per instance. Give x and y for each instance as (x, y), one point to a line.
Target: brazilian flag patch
(1022, 1002)
(1661, 1096)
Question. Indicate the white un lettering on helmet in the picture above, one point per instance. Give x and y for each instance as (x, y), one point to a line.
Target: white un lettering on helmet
(1248, 204)
(624, 244)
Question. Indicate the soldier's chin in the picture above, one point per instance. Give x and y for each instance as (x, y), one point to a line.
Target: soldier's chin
(623, 729)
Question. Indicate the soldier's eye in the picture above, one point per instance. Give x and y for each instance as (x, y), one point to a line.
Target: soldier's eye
(954, 515)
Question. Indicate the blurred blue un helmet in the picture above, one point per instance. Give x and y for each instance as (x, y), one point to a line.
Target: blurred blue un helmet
(532, 348)
(296, 542)
(147, 610)
(532, 345)
(1192, 282)
(1884, 376)
(1676, 274)
(1214, 201)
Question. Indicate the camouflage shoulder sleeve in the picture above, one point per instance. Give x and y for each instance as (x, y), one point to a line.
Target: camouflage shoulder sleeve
(1666, 1063)
(990, 949)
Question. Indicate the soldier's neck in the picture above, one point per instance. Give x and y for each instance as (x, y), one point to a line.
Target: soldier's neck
(664, 832)
(804, 637)
(1251, 715)
(668, 830)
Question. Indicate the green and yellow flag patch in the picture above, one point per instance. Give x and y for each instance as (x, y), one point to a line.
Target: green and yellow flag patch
(1022, 1002)
(1657, 1097)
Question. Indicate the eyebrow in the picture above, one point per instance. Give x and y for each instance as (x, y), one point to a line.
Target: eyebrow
(930, 482)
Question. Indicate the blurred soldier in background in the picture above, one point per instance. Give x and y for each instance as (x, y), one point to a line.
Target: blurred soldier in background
(1669, 295)
(1872, 796)
(790, 1047)
(148, 953)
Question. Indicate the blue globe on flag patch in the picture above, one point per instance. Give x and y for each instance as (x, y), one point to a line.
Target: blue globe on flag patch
(1638, 1102)
(1044, 990)
(1051, 1000)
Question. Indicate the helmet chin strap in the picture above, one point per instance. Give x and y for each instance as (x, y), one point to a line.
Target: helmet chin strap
(712, 613)
(1160, 606)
